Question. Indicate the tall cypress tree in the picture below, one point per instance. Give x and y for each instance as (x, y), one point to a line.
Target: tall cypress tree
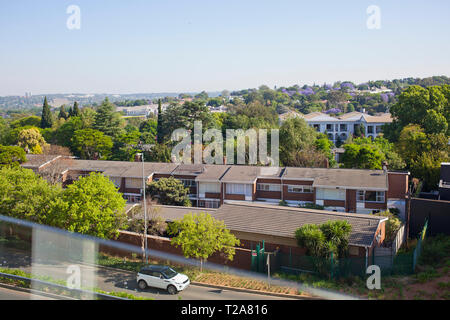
(76, 110)
(46, 120)
(159, 130)
(62, 113)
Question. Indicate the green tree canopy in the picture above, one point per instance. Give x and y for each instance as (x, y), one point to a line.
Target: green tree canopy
(33, 121)
(200, 236)
(321, 240)
(91, 144)
(108, 121)
(11, 156)
(31, 141)
(91, 205)
(47, 119)
(170, 191)
(24, 195)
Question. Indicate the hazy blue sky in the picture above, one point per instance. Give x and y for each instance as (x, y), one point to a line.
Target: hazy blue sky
(133, 46)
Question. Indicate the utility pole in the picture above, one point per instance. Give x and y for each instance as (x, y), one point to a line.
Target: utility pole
(145, 208)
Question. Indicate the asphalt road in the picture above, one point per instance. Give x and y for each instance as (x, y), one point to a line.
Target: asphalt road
(119, 280)
(10, 294)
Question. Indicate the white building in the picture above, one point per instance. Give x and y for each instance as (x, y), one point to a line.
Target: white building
(146, 110)
(344, 126)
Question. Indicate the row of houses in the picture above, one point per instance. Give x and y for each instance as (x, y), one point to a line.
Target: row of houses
(210, 186)
(253, 223)
(341, 127)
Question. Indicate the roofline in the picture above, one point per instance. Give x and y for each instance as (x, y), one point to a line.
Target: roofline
(326, 212)
(50, 161)
(349, 188)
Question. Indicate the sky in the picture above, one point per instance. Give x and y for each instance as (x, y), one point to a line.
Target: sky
(147, 46)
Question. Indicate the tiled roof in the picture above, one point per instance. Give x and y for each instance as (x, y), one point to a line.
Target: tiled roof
(382, 118)
(34, 161)
(345, 178)
(284, 221)
(212, 173)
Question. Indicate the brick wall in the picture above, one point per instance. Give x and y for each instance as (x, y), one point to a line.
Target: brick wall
(241, 260)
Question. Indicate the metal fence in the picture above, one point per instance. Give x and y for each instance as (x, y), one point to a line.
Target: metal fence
(418, 249)
(331, 268)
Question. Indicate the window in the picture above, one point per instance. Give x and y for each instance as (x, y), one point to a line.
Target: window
(330, 127)
(330, 194)
(379, 129)
(370, 129)
(188, 183)
(343, 127)
(209, 188)
(268, 187)
(370, 196)
(317, 127)
(239, 188)
(300, 189)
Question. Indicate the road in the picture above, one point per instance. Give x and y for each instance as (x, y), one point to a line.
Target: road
(109, 280)
(10, 294)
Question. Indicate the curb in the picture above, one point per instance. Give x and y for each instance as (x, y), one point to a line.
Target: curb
(37, 292)
(201, 284)
(266, 293)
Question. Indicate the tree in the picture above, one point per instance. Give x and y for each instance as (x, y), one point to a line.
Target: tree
(24, 195)
(363, 156)
(46, 120)
(155, 224)
(64, 134)
(91, 205)
(125, 146)
(321, 240)
(184, 116)
(379, 146)
(423, 153)
(62, 113)
(295, 135)
(108, 121)
(200, 236)
(159, 129)
(11, 156)
(32, 121)
(91, 144)
(159, 153)
(76, 110)
(31, 141)
(170, 191)
(426, 107)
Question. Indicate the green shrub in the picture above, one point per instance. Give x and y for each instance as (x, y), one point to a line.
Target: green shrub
(435, 250)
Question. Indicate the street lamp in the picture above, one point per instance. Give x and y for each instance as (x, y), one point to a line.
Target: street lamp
(145, 207)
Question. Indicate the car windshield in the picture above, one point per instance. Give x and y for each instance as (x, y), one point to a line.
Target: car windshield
(169, 273)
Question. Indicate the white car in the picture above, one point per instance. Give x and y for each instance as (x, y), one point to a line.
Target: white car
(162, 277)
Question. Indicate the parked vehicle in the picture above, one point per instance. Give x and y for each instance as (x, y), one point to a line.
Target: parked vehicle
(162, 277)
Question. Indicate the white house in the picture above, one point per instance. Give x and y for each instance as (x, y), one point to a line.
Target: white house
(345, 125)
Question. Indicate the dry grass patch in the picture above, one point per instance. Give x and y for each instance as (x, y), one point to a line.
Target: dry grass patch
(238, 282)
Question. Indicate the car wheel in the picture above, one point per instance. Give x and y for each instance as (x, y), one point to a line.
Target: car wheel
(171, 289)
(142, 284)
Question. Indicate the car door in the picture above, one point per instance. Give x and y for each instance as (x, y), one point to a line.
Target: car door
(160, 281)
(150, 278)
